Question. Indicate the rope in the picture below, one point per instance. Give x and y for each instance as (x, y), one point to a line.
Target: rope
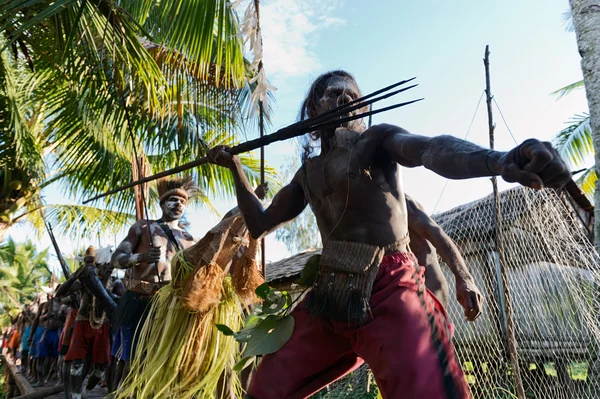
(504, 120)
(466, 136)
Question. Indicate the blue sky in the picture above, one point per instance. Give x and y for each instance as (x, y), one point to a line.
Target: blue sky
(441, 43)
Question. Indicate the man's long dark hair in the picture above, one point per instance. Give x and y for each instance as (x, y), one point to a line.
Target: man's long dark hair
(309, 106)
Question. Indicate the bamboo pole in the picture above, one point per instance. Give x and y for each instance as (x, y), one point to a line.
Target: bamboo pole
(510, 327)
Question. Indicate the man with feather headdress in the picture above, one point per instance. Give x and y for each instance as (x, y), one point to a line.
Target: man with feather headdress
(146, 254)
(179, 351)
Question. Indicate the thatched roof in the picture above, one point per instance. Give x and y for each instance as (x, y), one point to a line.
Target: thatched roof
(290, 267)
(477, 219)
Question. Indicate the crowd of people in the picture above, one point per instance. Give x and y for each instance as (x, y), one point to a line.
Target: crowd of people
(63, 336)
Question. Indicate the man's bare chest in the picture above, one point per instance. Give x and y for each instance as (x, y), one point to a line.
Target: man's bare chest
(342, 172)
(166, 238)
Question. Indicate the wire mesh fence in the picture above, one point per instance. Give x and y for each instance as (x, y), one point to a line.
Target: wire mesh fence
(547, 274)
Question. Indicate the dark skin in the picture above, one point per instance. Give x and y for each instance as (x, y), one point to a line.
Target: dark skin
(151, 260)
(427, 239)
(355, 189)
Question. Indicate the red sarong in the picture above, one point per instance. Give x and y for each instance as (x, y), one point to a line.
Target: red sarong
(86, 339)
(406, 343)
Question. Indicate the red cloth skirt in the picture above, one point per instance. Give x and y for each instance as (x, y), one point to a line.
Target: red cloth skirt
(406, 343)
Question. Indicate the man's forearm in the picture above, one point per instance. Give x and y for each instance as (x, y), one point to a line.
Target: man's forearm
(65, 288)
(125, 261)
(450, 254)
(454, 158)
(248, 202)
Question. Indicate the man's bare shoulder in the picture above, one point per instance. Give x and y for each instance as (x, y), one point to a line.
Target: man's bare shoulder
(385, 130)
(138, 226)
(187, 235)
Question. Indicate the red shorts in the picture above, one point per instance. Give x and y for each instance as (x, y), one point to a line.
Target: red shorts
(67, 331)
(407, 344)
(85, 338)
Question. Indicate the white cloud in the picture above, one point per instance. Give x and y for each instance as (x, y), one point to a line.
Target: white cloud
(290, 29)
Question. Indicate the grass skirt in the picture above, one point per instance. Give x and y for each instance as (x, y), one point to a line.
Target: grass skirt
(181, 354)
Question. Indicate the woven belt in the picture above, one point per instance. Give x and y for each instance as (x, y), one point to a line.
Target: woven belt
(144, 287)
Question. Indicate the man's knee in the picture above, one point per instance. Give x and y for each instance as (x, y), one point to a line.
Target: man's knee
(99, 371)
(77, 368)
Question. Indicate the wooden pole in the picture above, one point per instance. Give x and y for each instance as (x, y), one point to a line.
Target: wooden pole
(510, 327)
(263, 248)
(263, 255)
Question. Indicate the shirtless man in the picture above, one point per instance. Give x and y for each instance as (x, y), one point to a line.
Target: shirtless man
(368, 301)
(90, 341)
(40, 351)
(48, 347)
(425, 238)
(146, 253)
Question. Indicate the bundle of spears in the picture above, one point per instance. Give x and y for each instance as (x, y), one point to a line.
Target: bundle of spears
(327, 120)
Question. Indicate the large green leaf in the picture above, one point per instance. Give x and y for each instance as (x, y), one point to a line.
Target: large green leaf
(269, 336)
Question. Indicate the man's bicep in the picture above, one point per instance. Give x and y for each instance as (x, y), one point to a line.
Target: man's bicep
(286, 205)
(128, 245)
(405, 148)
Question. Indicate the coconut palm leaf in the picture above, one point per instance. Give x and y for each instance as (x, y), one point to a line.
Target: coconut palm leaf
(19, 144)
(568, 89)
(587, 182)
(84, 221)
(574, 143)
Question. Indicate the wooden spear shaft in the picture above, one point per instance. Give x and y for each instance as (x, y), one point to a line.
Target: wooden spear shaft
(285, 133)
(510, 326)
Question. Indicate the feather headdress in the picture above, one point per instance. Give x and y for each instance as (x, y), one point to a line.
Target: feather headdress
(184, 187)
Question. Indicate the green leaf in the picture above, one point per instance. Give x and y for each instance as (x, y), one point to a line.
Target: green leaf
(253, 320)
(243, 335)
(243, 363)
(309, 273)
(270, 335)
(274, 306)
(225, 330)
(262, 290)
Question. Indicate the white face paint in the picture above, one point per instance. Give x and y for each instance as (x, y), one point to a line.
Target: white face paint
(340, 91)
(174, 207)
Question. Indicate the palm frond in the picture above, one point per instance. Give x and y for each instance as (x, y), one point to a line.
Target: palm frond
(568, 89)
(574, 143)
(19, 145)
(567, 18)
(84, 221)
(587, 182)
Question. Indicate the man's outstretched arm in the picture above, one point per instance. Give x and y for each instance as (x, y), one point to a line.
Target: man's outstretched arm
(288, 203)
(533, 163)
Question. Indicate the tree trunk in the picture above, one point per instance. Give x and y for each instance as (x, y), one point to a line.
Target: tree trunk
(586, 19)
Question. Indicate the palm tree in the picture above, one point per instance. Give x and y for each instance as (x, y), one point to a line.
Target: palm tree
(574, 143)
(89, 88)
(587, 32)
(23, 270)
